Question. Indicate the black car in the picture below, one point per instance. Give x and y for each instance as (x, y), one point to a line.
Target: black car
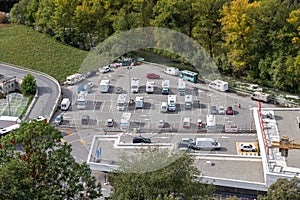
(85, 119)
(141, 140)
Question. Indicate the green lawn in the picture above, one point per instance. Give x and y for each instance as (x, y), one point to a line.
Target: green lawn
(23, 46)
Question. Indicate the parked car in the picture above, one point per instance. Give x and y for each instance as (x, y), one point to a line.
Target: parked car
(58, 119)
(247, 147)
(153, 76)
(161, 123)
(221, 110)
(110, 122)
(40, 118)
(85, 119)
(200, 123)
(229, 110)
(105, 69)
(141, 140)
(213, 110)
(90, 74)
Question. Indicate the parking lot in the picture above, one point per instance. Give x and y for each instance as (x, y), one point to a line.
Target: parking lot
(102, 106)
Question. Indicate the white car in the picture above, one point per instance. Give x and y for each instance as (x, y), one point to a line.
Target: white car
(110, 123)
(161, 123)
(105, 69)
(221, 110)
(247, 147)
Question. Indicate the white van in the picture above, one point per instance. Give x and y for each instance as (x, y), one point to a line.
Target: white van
(65, 104)
(207, 144)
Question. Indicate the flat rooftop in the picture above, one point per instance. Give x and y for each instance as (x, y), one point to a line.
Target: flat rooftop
(287, 125)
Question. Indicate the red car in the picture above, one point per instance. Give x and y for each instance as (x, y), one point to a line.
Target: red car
(153, 76)
(229, 110)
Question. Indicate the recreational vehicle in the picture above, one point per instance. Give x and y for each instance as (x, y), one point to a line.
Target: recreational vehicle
(211, 122)
(81, 101)
(260, 96)
(150, 86)
(104, 86)
(139, 102)
(73, 79)
(121, 103)
(172, 103)
(125, 121)
(219, 85)
(188, 101)
(172, 71)
(135, 84)
(165, 85)
(181, 87)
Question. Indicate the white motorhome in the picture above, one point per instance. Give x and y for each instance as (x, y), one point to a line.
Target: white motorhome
(165, 86)
(181, 86)
(164, 107)
(207, 144)
(188, 101)
(260, 96)
(211, 122)
(121, 103)
(125, 121)
(150, 86)
(73, 79)
(172, 103)
(81, 101)
(219, 85)
(135, 84)
(104, 86)
(172, 71)
(65, 104)
(139, 102)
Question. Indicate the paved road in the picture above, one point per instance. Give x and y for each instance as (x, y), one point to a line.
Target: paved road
(48, 90)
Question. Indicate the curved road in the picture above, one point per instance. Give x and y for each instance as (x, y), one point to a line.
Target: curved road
(48, 90)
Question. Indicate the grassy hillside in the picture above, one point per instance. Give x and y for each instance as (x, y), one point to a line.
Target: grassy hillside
(23, 46)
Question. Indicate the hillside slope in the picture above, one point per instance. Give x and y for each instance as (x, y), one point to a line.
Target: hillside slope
(23, 46)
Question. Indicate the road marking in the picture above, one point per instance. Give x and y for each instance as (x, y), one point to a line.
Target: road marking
(84, 142)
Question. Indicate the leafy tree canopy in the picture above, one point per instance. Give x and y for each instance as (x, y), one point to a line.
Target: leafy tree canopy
(36, 165)
(283, 189)
(156, 174)
(28, 86)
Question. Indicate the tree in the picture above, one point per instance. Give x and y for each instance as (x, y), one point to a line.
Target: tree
(238, 26)
(157, 175)
(36, 165)
(28, 86)
(283, 189)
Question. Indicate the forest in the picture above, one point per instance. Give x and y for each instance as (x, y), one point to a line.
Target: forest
(257, 41)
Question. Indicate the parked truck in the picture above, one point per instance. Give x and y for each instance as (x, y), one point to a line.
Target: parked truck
(188, 101)
(139, 102)
(219, 85)
(150, 86)
(261, 96)
(104, 86)
(135, 84)
(121, 103)
(165, 87)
